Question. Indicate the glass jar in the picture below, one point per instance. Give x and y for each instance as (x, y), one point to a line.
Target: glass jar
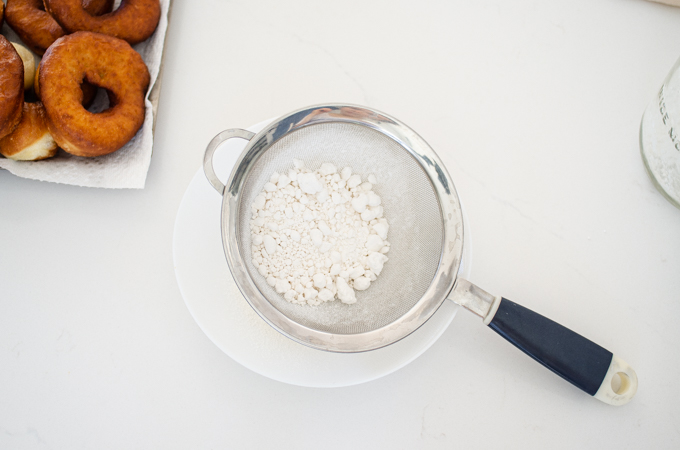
(660, 137)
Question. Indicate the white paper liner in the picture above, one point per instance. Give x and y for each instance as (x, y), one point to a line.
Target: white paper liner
(125, 168)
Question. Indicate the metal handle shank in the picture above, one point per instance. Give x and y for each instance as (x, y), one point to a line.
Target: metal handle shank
(208, 168)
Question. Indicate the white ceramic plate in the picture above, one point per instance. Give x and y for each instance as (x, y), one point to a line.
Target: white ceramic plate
(219, 308)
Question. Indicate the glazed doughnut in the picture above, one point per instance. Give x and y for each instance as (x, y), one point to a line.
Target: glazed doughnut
(89, 90)
(31, 140)
(36, 28)
(133, 21)
(106, 62)
(11, 87)
(2, 13)
(29, 64)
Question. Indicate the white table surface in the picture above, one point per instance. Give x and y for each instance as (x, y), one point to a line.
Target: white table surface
(534, 107)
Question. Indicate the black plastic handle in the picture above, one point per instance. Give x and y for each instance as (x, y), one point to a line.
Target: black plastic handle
(571, 356)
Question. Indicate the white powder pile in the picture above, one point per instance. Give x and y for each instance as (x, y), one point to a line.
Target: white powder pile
(318, 235)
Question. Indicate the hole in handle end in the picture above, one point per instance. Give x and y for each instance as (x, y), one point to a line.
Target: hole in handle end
(619, 384)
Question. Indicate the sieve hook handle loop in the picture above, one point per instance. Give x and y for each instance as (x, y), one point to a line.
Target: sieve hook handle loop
(578, 360)
(208, 167)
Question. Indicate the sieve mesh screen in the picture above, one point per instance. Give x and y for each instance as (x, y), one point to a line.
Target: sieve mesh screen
(410, 206)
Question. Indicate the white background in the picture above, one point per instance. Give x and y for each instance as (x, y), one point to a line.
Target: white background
(533, 106)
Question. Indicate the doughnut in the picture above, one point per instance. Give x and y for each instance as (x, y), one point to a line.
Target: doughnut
(134, 21)
(11, 87)
(36, 28)
(107, 62)
(31, 140)
(2, 13)
(89, 90)
(29, 64)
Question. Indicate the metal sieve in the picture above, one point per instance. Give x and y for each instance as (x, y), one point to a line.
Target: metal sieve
(426, 236)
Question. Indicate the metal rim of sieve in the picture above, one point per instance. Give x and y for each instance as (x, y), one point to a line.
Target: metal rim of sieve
(449, 206)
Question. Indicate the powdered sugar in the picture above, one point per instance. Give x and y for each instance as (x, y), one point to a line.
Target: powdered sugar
(318, 235)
